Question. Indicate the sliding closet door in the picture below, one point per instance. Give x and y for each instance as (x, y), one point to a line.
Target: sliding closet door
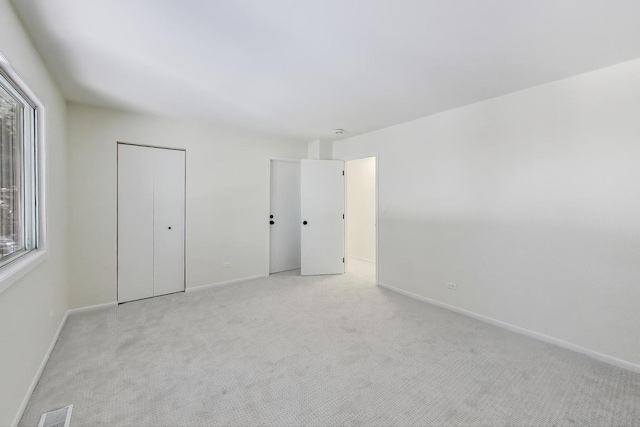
(135, 222)
(169, 188)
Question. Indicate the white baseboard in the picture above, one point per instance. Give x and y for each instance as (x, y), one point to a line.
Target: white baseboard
(93, 307)
(45, 359)
(36, 377)
(225, 283)
(532, 334)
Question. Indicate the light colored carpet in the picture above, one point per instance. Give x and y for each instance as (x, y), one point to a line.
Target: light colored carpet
(331, 350)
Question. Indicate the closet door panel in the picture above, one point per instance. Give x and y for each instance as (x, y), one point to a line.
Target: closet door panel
(169, 216)
(135, 223)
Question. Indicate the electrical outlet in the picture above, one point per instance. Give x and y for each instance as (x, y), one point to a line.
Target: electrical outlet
(227, 264)
(452, 286)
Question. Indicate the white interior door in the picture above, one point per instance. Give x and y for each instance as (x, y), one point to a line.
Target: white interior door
(322, 206)
(284, 240)
(169, 204)
(135, 223)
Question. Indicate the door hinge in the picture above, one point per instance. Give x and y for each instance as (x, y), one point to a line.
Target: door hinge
(342, 173)
(343, 260)
(342, 216)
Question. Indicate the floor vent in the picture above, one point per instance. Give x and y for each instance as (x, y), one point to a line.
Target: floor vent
(58, 418)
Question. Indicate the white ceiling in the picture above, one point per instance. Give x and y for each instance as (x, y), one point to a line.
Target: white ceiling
(296, 69)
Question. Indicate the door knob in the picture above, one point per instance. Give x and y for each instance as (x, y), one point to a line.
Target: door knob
(271, 216)
(169, 228)
(304, 222)
(271, 222)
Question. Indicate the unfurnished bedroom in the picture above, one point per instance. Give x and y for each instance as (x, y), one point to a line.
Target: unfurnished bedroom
(319, 213)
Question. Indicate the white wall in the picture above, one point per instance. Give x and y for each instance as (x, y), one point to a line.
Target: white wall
(530, 202)
(361, 208)
(32, 309)
(320, 150)
(226, 197)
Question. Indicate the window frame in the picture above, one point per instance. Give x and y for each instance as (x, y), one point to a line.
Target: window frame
(17, 267)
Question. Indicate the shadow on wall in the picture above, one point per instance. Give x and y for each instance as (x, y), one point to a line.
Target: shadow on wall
(551, 279)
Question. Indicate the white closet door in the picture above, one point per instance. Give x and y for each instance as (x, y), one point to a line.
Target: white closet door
(322, 197)
(169, 208)
(135, 223)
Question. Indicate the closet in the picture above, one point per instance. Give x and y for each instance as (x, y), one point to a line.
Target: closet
(151, 221)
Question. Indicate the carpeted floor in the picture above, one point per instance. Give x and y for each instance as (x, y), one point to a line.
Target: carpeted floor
(330, 350)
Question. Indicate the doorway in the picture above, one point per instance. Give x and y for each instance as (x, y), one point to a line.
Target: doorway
(306, 216)
(284, 215)
(361, 213)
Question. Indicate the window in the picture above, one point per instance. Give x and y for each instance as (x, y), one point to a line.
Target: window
(20, 145)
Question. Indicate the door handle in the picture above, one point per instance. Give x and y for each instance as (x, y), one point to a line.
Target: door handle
(304, 222)
(271, 222)
(169, 228)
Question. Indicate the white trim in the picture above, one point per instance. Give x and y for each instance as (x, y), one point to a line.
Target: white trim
(266, 215)
(359, 156)
(161, 147)
(522, 331)
(285, 159)
(14, 271)
(47, 355)
(93, 307)
(36, 378)
(268, 210)
(225, 283)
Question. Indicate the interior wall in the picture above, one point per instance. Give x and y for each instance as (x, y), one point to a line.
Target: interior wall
(528, 202)
(32, 309)
(361, 208)
(320, 150)
(226, 197)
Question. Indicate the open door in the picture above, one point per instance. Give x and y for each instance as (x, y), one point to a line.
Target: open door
(322, 209)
